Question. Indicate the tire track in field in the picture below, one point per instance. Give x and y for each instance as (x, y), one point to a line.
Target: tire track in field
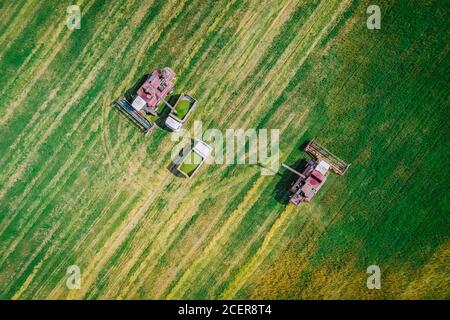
(114, 242)
(118, 193)
(272, 237)
(54, 182)
(178, 217)
(138, 270)
(39, 118)
(37, 75)
(77, 94)
(217, 242)
(68, 136)
(174, 217)
(16, 22)
(162, 235)
(157, 239)
(131, 215)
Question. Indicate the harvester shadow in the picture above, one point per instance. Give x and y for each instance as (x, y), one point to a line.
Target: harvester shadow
(303, 146)
(172, 167)
(281, 190)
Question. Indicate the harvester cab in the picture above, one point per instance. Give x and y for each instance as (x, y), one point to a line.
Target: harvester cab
(152, 92)
(314, 175)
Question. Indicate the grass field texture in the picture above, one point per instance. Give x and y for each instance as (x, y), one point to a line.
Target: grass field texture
(79, 185)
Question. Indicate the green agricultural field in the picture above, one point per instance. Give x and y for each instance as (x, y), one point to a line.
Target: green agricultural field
(80, 185)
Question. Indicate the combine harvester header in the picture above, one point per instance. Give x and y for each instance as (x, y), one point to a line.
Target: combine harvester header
(322, 154)
(134, 115)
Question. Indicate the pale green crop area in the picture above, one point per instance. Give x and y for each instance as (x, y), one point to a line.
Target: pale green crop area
(182, 108)
(80, 185)
(190, 163)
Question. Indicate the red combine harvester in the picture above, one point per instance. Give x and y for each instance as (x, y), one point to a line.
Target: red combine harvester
(151, 93)
(314, 174)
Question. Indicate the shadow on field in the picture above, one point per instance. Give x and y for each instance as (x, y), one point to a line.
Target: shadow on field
(287, 179)
(130, 94)
(172, 167)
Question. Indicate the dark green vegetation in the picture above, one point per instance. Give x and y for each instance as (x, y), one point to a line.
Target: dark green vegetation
(80, 185)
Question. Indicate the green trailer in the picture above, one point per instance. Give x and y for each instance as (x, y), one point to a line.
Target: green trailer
(180, 112)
